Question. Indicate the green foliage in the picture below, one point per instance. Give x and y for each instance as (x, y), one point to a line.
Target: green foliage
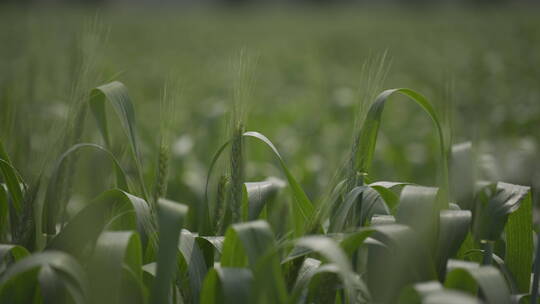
(259, 242)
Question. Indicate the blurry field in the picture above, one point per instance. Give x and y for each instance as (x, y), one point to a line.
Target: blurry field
(446, 214)
(480, 63)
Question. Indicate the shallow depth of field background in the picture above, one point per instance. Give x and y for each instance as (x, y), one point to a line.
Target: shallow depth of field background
(480, 61)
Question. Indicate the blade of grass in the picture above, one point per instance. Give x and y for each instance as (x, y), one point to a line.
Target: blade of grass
(171, 217)
(116, 253)
(370, 130)
(117, 95)
(227, 285)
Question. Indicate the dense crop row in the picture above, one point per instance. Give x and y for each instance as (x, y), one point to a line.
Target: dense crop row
(97, 206)
(466, 241)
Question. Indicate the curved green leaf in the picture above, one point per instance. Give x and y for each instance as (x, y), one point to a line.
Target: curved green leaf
(470, 277)
(258, 195)
(117, 256)
(370, 130)
(363, 202)
(454, 226)
(253, 244)
(113, 209)
(330, 250)
(13, 184)
(418, 209)
(508, 207)
(406, 255)
(20, 280)
(303, 209)
(51, 207)
(226, 285)
(117, 95)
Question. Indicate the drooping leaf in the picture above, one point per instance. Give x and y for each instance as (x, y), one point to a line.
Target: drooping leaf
(113, 209)
(494, 204)
(370, 130)
(258, 195)
(368, 202)
(508, 207)
(19, 282)
(303, 209)
(117, 95)
(470, 277)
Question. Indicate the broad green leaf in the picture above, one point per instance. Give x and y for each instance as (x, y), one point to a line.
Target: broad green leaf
(171, 217)
(211, 246)
(405, 255)
(324, 285)
(117, 256)
(331, 252)
(51, 207)
(494, 205)
(454, 226)
(470, 277)
(418, 209)
(361, 203)
(370, 130)
(386, 191)
(305, 273)
(519, 243)
(258, 195)
(348, 242)
(113, 209)
(117, 95)
(253, 244)
(226, 285)
(510, 206)
(462, 175)
(194, 258)
(20, 280)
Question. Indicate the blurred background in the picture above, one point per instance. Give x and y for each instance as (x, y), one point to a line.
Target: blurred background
(478, 61)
